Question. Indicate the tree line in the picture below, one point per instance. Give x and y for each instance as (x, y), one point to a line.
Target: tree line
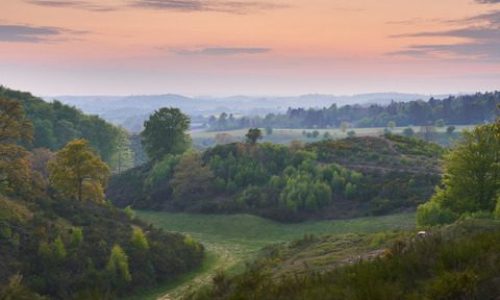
(277, 181)
(55, 124)
(455, 110)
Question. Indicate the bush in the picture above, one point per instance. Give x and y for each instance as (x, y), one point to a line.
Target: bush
(431, 213)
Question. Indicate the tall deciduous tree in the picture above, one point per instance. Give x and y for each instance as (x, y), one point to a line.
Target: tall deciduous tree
(471, 181)
(78, 172)
(14, 128)
(165, 133)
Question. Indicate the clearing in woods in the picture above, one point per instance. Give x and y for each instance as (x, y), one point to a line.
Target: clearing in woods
(231, 240)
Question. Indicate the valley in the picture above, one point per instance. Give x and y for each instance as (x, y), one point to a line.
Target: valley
(233, 240)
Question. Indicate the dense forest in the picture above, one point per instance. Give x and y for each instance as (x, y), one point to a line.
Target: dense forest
(343, 178)
(59, 237)
(55, 124)
(454, 110)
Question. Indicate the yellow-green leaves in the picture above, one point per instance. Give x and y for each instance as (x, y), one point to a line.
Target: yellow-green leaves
(78, 172)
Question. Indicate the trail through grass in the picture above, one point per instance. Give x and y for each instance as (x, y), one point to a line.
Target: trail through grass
(231, 240)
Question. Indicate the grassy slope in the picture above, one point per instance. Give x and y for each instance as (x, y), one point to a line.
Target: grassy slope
(233, 239)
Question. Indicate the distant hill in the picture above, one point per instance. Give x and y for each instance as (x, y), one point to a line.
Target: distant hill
(131, 111)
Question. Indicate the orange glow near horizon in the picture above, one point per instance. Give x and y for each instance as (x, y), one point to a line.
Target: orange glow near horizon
(261, 47)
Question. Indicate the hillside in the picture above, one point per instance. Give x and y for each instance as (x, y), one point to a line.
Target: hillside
(55, 124)
(328, 179)
(62, 249)
(59, 238)
(460, 261)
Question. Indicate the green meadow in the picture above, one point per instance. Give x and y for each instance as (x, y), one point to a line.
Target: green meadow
(231, 240)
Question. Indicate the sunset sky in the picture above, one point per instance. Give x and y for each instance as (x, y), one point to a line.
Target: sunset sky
(252, 47)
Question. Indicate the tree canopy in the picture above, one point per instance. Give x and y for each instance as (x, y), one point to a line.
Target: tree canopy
(78, 172)
(253, 135)
(55, 124)
(165, 133)
(15, 128)
(471, 182)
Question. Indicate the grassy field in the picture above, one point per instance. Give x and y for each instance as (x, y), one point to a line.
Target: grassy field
(285, 136)
(231, 240)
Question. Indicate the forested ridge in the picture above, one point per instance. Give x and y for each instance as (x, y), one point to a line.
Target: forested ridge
(329, 179)
(55, 124)
(59, 236)
(455, 110)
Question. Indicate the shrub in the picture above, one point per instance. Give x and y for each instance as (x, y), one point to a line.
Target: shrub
(431, 213)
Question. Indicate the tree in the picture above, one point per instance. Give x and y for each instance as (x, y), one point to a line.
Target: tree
(192, 180)
(78, 172)
(118, 265)
(351, 133)
(391, 125)
(14, 128)
(139, 240)
(253, 135)
(450, 130)
(471, 180)
(165, 133)
(408, 132)
(39, 159)
(123, 156)
(440, 123)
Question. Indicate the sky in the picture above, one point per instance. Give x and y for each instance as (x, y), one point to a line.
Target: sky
(249, 47)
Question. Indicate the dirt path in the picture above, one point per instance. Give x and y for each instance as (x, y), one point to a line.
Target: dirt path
(225, 258)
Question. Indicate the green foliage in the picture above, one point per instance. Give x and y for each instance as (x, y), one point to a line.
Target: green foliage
(60, 245)
(470, 183)
(15, 128)
(497, 208)
(139, 240)
(162, 170)
(76, 237)
(129, 211)
(192, 180)
(327, 178)
(118, 264)
(457, 262)
(56, 124)
(15, 290)
(431, 213)
(165, 133)
(77, 172)
(408, 132)
(253, 135)
(466, 109)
